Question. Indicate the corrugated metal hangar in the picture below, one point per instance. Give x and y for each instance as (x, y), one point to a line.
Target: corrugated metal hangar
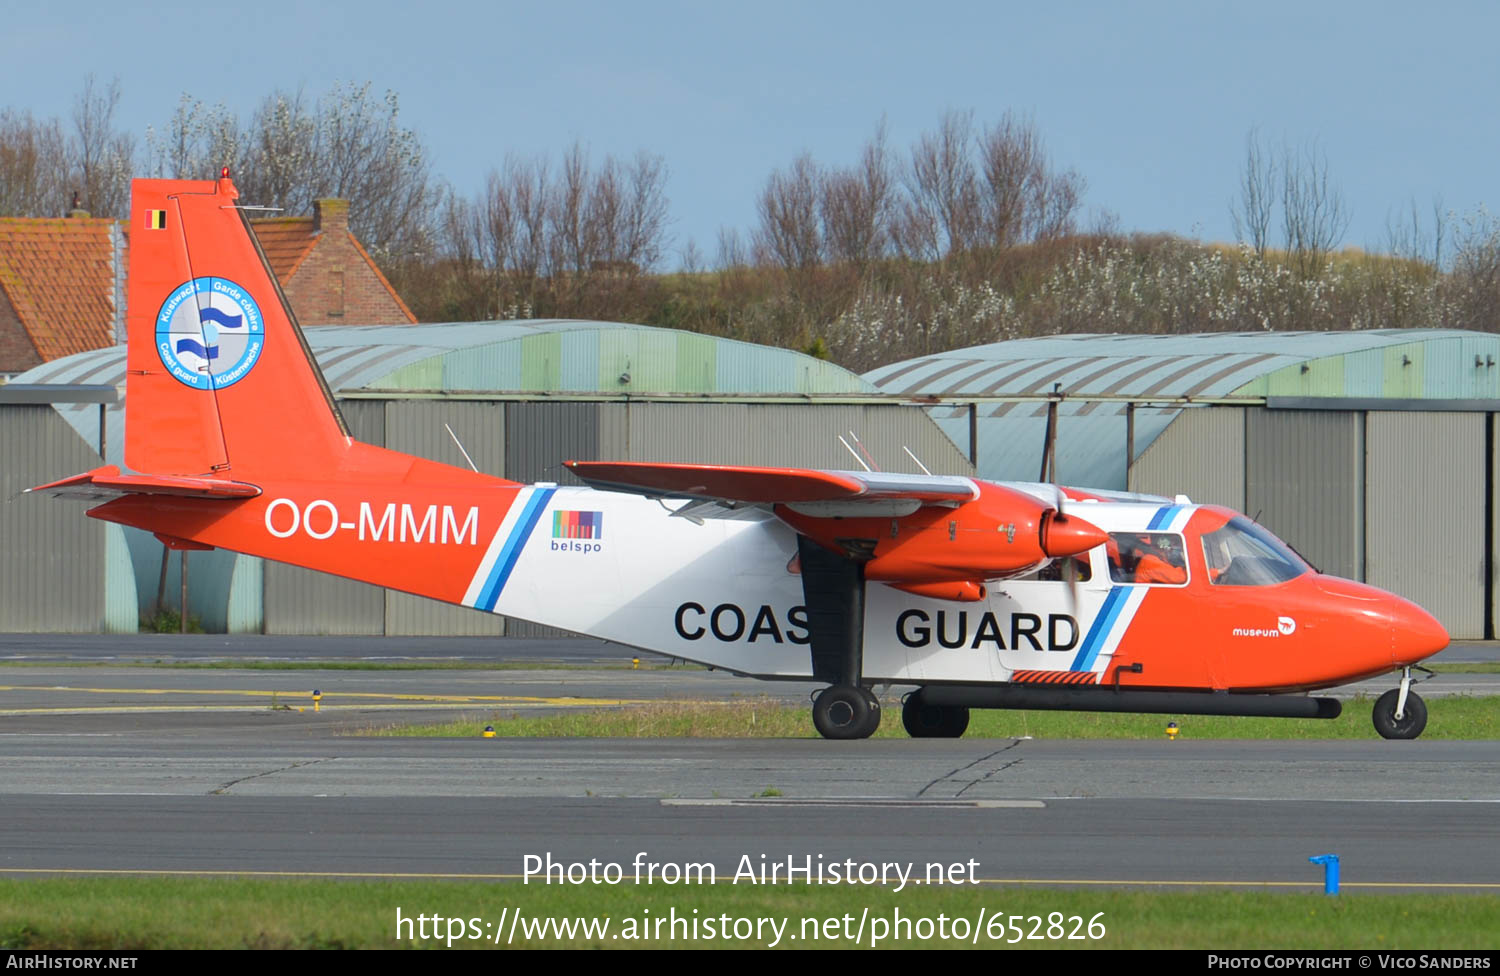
(521, 396)
(1373, 453)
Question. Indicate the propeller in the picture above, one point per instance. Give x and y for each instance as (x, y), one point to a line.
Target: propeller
(1069, 539)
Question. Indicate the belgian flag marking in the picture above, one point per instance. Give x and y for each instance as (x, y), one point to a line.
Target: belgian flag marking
(156, 219)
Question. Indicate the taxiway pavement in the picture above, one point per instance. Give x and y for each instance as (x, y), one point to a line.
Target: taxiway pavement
(141, 769)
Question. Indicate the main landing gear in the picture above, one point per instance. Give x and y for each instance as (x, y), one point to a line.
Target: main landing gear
(924, 721)
(846, 712)
(1400, 713)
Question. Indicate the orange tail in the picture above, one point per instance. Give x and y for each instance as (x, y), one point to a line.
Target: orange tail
(220, 380)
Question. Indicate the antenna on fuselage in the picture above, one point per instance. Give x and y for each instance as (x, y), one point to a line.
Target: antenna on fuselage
(852, 451)
(867, 455)
(916, 459)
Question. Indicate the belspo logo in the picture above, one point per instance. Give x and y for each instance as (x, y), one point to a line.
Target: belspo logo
(577, 531)
(209, 333)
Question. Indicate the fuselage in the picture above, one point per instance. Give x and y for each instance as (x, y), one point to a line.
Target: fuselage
(1241, 612)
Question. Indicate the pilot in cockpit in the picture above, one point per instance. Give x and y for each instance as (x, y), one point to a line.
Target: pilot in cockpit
(1146, 558)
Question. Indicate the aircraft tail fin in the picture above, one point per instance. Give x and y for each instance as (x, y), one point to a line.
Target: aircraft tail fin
(220, 380)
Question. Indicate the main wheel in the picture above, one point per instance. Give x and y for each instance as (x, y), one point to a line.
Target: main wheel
(924, 721)
(1411, 723)
(845, 712)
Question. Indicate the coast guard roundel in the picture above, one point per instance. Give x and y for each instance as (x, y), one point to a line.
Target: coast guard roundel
(209, 333)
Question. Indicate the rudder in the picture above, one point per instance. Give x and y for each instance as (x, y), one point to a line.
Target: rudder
(219, 376)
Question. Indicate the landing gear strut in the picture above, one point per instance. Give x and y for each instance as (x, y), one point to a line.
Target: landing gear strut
(833, 586)
(924, 721)
(1400, 713)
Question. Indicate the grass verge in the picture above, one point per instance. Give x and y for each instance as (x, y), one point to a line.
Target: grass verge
(173, 913)
(1449, 717)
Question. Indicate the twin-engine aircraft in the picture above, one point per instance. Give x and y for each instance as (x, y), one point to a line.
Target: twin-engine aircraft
(982, 595)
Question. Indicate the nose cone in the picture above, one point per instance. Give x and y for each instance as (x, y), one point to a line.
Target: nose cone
(1070, 536)
(1415, 634)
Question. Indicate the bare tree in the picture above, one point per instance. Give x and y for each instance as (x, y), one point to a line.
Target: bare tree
(103, 159)
(33, 166)
(281, 149)
(1473, 287)
(197, 143)
(348, 144)
(789, 233)
(643, 220)
(856, 205)
(573, 246)
(732, 250)
(1251, 212)
(1408, 236)
(940, 215)
(1022, 198)
(1313, 214)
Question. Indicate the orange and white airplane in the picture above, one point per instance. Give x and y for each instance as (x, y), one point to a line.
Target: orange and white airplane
(980, 594)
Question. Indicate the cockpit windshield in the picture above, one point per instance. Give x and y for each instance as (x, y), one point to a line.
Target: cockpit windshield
(1243, 553)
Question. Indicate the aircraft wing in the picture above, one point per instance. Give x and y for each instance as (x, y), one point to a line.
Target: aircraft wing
(738, 485)
(103, 484)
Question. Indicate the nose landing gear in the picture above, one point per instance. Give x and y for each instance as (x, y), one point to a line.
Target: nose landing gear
(1401, 713)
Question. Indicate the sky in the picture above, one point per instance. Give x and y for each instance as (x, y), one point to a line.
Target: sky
(1151, 102)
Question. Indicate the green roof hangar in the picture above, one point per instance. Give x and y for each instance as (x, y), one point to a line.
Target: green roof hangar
(1373, 453)
(520, 396)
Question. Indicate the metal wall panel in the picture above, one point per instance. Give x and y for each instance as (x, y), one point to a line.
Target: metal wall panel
(1201, 455)
(1424, 504)
(539, 437)
(52, 558)
(614, 432)
(790, 434)
(366, 420)
(416, 427)
(1304, 480)
(301, 601)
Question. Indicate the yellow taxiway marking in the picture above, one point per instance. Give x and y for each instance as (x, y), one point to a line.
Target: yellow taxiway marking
(423, 875)
(369, 706)
(295, 693)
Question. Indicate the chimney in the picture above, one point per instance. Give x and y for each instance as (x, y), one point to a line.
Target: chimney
(331, 215)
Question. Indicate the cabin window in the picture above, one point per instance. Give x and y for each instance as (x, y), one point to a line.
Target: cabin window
(1245, 554)
(1146, 557)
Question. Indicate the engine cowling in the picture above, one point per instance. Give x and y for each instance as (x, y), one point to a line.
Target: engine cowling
(1000, 534)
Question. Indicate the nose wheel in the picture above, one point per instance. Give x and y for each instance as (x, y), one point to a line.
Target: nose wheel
(1400, 713)
(846, 712)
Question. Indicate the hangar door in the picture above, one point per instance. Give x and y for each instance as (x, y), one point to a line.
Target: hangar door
(1425, 507)
(1304, 480)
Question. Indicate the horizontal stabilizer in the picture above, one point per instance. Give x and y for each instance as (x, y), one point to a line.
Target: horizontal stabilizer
(103, 484)
(768, 485)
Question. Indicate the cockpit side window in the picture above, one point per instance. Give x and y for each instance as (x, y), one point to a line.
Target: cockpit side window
(1146, 557)
(1245, 554)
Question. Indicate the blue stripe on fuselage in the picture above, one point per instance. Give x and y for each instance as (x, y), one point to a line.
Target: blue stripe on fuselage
(1099, 632)
(519, 533)
(1162, 518)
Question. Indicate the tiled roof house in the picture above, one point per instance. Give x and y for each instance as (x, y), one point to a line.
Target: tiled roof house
(62, 281)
